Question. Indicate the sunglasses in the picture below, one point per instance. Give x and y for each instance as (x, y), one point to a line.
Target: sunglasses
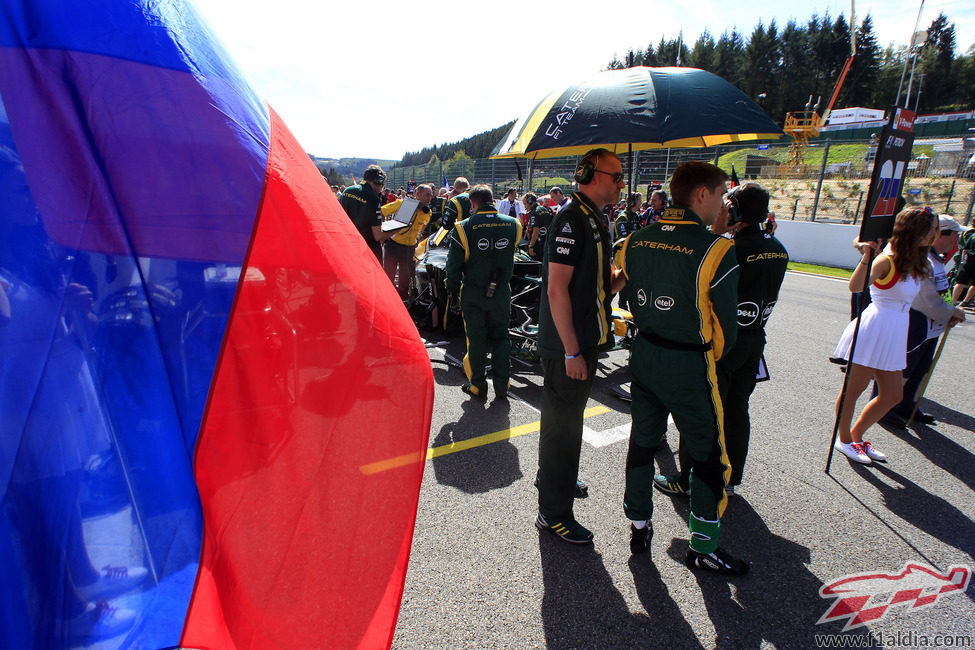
(617, 177)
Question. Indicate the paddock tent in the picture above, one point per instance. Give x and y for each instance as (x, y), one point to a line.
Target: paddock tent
(199, 355)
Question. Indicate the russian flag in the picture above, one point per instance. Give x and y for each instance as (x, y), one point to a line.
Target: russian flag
(214, 408)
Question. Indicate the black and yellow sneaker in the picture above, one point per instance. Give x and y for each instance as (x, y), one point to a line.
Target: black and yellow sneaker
(640, 538)
(670, 485)
(568, 529)
(718, 561)
(475, 392)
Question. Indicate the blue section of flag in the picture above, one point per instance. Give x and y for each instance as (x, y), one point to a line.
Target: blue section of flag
(132, 160)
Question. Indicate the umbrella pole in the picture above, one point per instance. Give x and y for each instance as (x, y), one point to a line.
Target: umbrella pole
(629, 181)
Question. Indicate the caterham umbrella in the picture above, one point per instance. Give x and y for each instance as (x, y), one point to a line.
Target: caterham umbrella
(636, 109)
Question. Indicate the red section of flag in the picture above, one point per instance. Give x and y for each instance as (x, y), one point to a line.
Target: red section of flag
(313, 445)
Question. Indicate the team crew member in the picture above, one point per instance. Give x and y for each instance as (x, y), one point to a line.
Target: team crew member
(628, 220)
(682, 285)
(458, 204)
(574, 327)
(362, 203)
(398, 250)
(480, 262)
(762, 262)
(539, 220)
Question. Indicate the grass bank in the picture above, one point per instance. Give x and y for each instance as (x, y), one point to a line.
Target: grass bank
(820, 270)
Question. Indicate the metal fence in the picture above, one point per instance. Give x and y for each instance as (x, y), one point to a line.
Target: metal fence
(830, 186)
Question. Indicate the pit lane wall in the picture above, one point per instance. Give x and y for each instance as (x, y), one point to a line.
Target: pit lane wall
(812, 242)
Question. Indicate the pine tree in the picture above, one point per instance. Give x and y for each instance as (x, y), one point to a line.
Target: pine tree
(860, 88)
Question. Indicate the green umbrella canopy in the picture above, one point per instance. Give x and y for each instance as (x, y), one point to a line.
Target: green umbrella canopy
(635, 109)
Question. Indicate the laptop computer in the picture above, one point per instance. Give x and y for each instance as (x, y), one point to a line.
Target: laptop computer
(403, 217)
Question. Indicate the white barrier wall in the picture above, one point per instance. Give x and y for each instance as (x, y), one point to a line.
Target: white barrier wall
(829, 244)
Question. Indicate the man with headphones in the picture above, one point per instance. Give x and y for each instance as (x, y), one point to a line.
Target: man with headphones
(682, 287)
(628, 220)
(363, 204)
(762, 262)
(574, 327)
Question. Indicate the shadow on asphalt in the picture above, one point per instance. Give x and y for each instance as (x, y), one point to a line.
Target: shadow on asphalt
(582, 608)
(941, 450)
(777, 604)
(484, 468)
(948, 416)
(920, 508)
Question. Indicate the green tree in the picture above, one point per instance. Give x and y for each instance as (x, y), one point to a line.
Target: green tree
(730, 57)
(937, 60)
(888, 77)
(965, 78)
(460, 164)
(793, 82)
(704, 54)
(860, 88)
(761, 60)
(433, 169)
(667, 52)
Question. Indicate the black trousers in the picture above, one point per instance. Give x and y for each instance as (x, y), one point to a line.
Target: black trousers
(398, 264)
(736, 381)
(560, 435)
(920, 354)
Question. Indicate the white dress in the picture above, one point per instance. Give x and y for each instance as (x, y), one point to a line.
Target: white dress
(882, 341)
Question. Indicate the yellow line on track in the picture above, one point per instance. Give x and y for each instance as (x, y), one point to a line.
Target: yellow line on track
(463, 445)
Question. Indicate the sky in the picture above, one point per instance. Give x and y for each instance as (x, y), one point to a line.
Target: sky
(383, 78)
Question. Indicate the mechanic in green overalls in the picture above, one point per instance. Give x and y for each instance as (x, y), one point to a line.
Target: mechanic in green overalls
(457, 207)
(480, 262)
(682, 286)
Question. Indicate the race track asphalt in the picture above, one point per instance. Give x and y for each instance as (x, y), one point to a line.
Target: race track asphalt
(482, 576)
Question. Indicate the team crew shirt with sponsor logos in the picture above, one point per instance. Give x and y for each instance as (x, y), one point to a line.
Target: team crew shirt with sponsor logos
(762, 262)
(691, 295)
(363, 207)
(541, 218)
(578, 237)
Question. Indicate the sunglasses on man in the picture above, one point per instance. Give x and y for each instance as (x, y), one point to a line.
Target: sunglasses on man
(617, 177)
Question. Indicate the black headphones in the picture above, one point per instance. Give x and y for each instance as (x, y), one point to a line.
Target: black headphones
(374, 175)
(586, 169)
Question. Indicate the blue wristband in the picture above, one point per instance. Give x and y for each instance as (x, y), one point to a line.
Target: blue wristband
(573, 356)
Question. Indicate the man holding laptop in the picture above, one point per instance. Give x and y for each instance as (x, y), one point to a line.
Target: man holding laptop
(405, 219)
